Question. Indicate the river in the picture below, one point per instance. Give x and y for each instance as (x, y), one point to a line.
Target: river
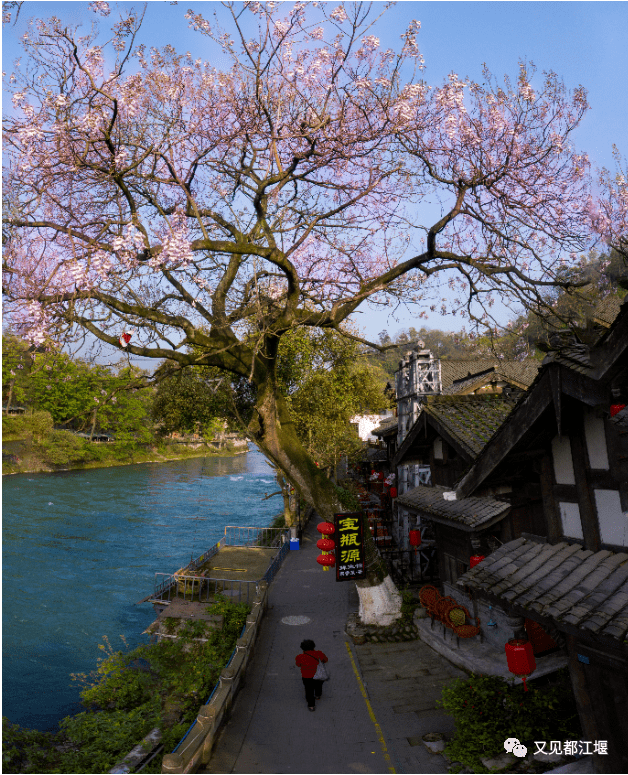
(80, 548)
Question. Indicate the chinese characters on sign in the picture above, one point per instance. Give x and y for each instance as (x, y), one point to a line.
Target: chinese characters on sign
(350, 561)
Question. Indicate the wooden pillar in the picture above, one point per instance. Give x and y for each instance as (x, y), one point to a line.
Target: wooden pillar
(588, 512)
(552, 517)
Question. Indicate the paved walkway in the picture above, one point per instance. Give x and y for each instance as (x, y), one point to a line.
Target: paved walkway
(353, 730)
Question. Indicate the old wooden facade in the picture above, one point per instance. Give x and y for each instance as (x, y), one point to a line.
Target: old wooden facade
(563, 565)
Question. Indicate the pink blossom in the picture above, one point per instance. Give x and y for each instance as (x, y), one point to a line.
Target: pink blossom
(339, 15)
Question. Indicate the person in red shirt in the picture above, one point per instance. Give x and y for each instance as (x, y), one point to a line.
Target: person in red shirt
(308, 662)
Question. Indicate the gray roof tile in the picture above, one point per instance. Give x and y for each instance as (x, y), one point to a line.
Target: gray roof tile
(470, 512)
(574, 586)
(455, 371)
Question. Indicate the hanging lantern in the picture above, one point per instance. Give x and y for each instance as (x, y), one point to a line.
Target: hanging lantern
(520, 659)
(415, 538)
(326, 544)
(393, 492)
(326, 560)
(125, 338)
(475, 559)
(616, 408)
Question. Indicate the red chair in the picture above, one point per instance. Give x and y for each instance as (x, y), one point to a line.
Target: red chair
(429, 597)
(455, 618)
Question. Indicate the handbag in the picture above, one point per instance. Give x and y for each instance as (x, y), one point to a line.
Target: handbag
(321, 673)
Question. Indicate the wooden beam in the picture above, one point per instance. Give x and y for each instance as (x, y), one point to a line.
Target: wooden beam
(588, 512)
(552, 517)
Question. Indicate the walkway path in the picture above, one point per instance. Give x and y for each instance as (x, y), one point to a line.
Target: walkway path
(353, 730)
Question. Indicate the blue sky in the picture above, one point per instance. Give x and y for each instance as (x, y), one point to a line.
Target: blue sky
(583, 42)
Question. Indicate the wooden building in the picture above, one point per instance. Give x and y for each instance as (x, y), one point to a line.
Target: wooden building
(562, 457)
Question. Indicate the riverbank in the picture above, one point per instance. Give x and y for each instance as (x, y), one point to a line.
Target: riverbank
(102, 536)
(24, 456)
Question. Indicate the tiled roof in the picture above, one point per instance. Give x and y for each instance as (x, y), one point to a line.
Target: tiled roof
(469, 512)
(377, 455)
(471, 420)
(571, 585)
(574, 356)
(386, 426)
(606, 311)
(454, 371)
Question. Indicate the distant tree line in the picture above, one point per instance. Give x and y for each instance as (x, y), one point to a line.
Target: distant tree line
(528, 336)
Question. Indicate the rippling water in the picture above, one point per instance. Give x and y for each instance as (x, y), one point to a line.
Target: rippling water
(80, 548)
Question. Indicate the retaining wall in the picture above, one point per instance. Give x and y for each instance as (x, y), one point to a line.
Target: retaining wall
(196, 748)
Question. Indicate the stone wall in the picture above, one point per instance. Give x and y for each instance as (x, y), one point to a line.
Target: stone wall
(196, 749)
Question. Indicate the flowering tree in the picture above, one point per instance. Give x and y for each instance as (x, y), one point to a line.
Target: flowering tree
(208, 211)
(610, 213)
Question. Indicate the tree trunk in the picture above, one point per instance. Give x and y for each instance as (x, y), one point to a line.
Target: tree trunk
(273, 431)
(10, 395)
(285, 494)
(91, 433)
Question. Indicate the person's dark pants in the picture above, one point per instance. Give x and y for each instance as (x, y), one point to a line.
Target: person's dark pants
(312, 689)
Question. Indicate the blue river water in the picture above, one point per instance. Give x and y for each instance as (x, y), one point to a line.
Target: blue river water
(80, 548)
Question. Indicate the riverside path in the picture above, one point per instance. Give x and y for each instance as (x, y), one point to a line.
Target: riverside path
(358, 727)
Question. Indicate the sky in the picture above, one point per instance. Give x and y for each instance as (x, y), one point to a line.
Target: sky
(583, 42)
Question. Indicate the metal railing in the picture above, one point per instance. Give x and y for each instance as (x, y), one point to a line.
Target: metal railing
(276, 563)
(204, 557)
(169, 586)
(406, 565)
(253, 536)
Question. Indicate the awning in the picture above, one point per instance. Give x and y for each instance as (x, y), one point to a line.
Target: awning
(467, 514)
(580, 590)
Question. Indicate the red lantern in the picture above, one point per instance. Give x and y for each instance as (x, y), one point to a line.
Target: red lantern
(380, 476)
(415, 538)
(475, 559)
(326, 560)
(326, 528)
(393, 492)
(325, 544)
(520, 659)
(616, 408)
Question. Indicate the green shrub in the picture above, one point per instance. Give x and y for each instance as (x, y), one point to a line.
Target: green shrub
(124, 703)
(37, 424)
(408, 605)
(102, 738)
(488, 709)
(40, 424)
(27, 750)
(62, 448)
(348, 499)
(14, 426)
